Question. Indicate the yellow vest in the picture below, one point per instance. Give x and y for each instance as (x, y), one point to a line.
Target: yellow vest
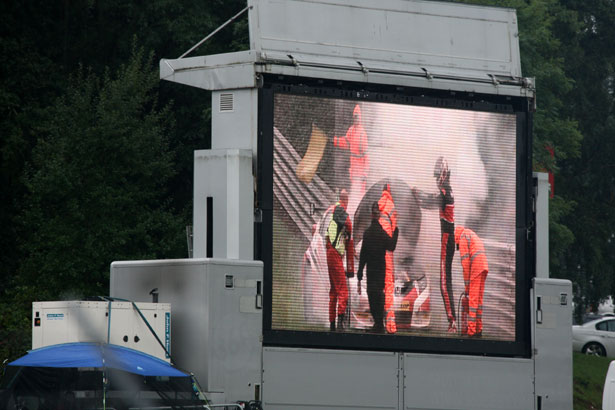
(340, 246)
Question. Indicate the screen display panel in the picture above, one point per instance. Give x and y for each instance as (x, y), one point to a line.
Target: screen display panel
(393, 220)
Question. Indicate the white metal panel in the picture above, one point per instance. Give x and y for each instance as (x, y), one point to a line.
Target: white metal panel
(88, 321)
(211, 73)
(53, 328)
(442, 37)
(236, 127)
(183, 285)
(213, 336)
(214, 72)
(139, 338)
(402, 79)
(410, 43)
(542, 223)
(302, 379)
(467, 382)
(225, 175)
(553, 343)
(235, 346)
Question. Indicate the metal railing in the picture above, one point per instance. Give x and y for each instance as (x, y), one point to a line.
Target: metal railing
(298, 199)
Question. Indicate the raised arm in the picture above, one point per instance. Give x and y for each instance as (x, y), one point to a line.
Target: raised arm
(427, 201)
(391, 242)
(464, 253)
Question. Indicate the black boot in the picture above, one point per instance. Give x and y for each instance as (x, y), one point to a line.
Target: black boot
(340, 321)
(377, 328)
(332, 327)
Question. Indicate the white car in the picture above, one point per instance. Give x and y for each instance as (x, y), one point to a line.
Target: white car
(596, 337)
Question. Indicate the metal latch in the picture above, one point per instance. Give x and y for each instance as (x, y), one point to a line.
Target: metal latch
(427, 73)
(363, 68)
(259, 294)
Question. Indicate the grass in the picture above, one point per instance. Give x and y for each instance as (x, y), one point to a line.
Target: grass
(589, 373)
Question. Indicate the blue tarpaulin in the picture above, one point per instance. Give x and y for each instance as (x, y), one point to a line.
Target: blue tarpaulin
(98, 355)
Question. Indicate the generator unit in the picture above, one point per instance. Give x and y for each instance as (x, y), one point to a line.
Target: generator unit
(217, 317)
(114, 322)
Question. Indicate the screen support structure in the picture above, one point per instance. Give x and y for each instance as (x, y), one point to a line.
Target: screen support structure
(248, 74)
(240, 97)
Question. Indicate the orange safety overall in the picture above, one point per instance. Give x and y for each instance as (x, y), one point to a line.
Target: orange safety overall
(355, 141)
(338, 293)
(388, 221)
(475, 269)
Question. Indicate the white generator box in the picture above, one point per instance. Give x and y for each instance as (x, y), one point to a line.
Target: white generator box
(115, 322)
(217, 317)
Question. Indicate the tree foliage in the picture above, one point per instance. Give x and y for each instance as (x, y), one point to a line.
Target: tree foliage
(94, 166)
(590, 177)
(97, 181)
(96, 186)
(567, 46)
(546, 30)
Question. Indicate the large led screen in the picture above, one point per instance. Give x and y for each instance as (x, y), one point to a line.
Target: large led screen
(393, 219)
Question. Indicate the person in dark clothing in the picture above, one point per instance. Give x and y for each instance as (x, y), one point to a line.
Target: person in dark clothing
(445, 202)
(375, 244)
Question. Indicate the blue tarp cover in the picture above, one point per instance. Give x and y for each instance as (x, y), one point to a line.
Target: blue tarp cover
(98, 355)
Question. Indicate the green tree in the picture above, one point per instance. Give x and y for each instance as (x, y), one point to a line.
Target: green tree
(42, 43)
(590, 178)
(96, 189)
(97, 181)
(73, 116)
(556, 129)
(543, 56)
(28, 82)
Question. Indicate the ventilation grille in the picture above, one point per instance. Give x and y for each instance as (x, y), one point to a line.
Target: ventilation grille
(226, 102)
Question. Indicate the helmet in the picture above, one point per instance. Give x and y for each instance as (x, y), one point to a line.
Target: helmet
(356, 113)
(375, 210)
(343, 198)
(441, 171)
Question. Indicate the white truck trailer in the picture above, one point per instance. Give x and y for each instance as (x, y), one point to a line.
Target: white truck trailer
(346, 98)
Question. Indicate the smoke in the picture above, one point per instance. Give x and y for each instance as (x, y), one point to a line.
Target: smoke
(405, 142)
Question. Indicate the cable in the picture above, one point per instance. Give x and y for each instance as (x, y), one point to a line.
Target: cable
(459, 312)
(215, 31)
(134, 305)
